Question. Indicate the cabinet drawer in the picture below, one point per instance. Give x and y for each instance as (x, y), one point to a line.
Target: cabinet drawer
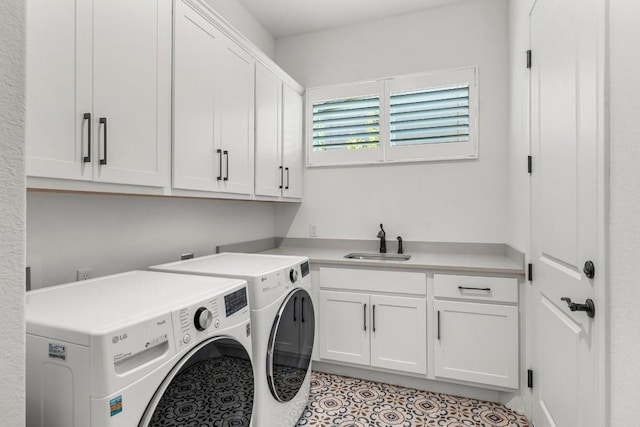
(490, 289)
(402, 282)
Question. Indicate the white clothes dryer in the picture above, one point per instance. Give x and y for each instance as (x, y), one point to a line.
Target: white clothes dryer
(140, 349)
(283, 320)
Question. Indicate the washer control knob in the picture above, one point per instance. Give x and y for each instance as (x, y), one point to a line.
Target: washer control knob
(293, 275)
(186, 338)
(202, 319)
(216, 324)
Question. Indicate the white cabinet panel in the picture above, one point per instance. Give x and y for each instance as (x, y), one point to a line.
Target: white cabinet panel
(132, 90)
(88, 60)
(344, 327)
(213, 108)
(476, 342)
(59, 88)
(279, 158)
(399, 333)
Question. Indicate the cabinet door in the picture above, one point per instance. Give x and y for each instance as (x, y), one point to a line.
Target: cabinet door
(236, 117)
(196, 164)
(344, 327)
(476, 342)
(132, 90)
(292, 157)
(58, 88)
(399, 333)
(269, 172)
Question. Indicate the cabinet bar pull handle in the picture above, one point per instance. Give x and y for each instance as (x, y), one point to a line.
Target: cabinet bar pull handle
(467, 288)
(302, 310)
(295, 302)
(103, 122)
(365, 317)
(87, 158)
(438, 325)
(281, 177)
(219, 152)
(287, 187)
(226, 153)
(374, 317)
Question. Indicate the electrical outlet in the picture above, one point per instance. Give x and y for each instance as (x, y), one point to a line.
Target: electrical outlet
(83, 273)
(313, 230)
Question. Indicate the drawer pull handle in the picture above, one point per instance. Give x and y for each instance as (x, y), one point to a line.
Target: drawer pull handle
(467, 288)
(365, 318)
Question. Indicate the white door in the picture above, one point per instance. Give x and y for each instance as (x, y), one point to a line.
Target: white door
(344, 327)
(566, 204)
(269, 172)
(132, 90)
(236, 117)
(196, 163)
(490, 330)
(399, 333)
(58, 89)
(292, 157)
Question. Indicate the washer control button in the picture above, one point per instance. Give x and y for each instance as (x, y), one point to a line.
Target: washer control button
(293, 275)
(186, 338)
(203, 318)
(216, 324)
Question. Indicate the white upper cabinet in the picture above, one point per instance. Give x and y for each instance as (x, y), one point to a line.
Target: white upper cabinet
(279, 158)
(213, 108)
(99, 90)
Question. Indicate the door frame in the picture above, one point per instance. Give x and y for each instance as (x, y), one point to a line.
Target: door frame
(602, 278)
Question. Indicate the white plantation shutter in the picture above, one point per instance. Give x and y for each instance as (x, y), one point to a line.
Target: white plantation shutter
(346, 124)
(429, 116)
(422, 117)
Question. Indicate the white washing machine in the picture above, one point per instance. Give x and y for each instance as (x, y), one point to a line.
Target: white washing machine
(283, 322)
(140, 349)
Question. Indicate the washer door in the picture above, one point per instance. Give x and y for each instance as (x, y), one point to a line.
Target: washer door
(211, 386)
(290, 345)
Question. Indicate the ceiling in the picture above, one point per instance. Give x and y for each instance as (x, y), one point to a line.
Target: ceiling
(284, 18)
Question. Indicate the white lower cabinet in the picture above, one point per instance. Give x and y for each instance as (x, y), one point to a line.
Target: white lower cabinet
(377, 330)
(476, 330)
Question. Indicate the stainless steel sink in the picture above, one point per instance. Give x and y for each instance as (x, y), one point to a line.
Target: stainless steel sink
(379, 257)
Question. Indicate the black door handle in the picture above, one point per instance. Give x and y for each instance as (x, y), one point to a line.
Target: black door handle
(219, 152)
(374, 318)
(287, 186)
(438, 325)
(281, 177)
(226, 153)
(87, 158)
(365, 318)
(103, 122)
(589, 307)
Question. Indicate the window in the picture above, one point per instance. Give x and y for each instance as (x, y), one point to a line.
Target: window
(414, 118)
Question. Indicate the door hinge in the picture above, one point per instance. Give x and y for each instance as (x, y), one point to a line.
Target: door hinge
(529, 378)
(530, 273)
(529, 58)
(529, 164)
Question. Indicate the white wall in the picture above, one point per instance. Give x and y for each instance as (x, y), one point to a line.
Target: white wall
(624, 283)
(519, 194)
(12, 212)
(461, 201)
(239, 17)
(111, 234)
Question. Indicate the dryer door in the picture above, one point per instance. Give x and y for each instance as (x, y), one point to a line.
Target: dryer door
(290, 345)
(212, 385)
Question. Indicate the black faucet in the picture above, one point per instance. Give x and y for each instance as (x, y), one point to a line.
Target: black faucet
(383, 243)
(400, 251)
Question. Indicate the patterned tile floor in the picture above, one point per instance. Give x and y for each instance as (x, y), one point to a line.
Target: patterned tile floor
(337, 401)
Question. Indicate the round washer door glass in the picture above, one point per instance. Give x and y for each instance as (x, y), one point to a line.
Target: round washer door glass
(211, 386)
(290, 345)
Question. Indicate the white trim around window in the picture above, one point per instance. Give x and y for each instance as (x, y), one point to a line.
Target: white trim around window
(425, 117)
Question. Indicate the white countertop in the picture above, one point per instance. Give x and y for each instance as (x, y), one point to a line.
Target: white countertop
(457, 262)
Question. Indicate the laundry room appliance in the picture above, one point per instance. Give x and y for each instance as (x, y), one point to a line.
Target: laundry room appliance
(139, 349)
(283, 322)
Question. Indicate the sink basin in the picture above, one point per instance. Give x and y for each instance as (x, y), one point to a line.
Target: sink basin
(376, 256)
